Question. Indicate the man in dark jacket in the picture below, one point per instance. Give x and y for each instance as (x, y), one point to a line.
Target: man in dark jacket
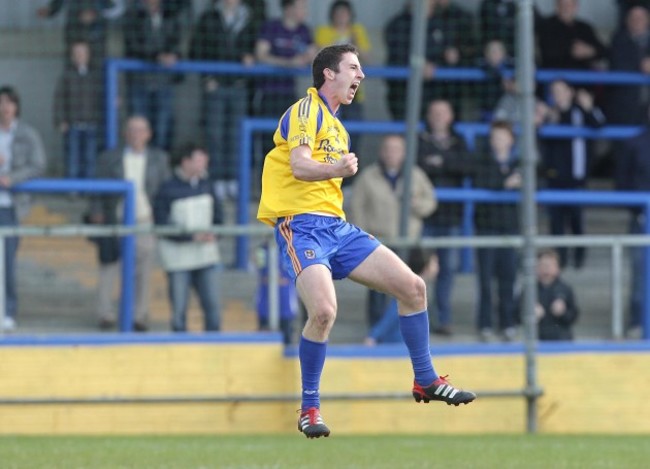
(556, 310)
(225, 32)
(77, 111)
(633, 174)
(187, 200)
(153, 35)
(566, 161)
(147, 168)
(443, 156)
(566, 42)
(630, 52)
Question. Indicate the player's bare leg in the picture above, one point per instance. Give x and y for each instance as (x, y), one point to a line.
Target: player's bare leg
(316, 290)
(383, 270)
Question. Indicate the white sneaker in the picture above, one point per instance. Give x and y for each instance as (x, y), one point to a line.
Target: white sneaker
(8, 324)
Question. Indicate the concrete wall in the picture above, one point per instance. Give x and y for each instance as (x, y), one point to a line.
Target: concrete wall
(579, 397)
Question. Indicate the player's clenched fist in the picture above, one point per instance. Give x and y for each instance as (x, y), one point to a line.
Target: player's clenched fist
(347, 166)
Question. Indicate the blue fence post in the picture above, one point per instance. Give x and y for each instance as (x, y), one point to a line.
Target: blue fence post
(245, 158)
(111, 96)
(128, 263)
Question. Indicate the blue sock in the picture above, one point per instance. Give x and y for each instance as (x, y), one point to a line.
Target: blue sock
(312, 360)
(415, 331)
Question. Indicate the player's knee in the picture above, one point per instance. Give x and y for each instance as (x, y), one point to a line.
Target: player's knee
(325, 315)
(415, 293)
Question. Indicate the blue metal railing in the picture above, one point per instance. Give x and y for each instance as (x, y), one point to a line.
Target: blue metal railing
(102, 186)
(116, 66)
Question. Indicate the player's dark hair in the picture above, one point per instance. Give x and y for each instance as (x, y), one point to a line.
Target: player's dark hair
(12, 95)
(286, 3)
(330, 57)
(342, 4)
(185, 151)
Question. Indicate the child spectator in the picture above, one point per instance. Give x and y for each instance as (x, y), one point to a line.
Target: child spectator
(497, 170)
(556, 309)
(77, 111)
(495, 63)
(566, 163)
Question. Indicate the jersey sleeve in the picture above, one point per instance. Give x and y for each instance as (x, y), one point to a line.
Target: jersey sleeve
(302, 123)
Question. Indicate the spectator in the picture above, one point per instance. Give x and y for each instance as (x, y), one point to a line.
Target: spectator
(153, 36)
(495, 63)
(566, 42)
(508, 107)
(566, 162)
(77, 112)
(21, 158)
(147, 168)
(624, 6)
(287, 300)
(343, 29)
(286, 42)
(224, 32)
(630, 52)
(497, 170)
(442, 155)
(498, 21)
(85, 21)
(187, 200)
(633, 174)
(387, 330)
(556, 309)
(444, 48)
(375, 204)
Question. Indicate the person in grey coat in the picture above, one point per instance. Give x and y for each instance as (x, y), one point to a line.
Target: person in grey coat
(21, 158)
(147, 168)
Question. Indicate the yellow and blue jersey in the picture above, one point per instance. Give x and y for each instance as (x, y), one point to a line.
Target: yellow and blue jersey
(308, 122)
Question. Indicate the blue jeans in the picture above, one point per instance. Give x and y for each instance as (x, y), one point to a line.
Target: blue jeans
(80, 151)
(156, 104)
(205, 283)
(445, 281)
(224, 109)
(8, 218)
(502, 264)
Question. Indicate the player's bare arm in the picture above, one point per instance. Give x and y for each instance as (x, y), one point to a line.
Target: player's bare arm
(304, 168)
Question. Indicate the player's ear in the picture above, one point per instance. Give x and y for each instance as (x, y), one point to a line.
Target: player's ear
(329, 74)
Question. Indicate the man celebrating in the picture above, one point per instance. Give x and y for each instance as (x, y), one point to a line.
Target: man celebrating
(302, 199)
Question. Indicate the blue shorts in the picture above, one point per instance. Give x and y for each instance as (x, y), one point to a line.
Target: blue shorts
(308, 239)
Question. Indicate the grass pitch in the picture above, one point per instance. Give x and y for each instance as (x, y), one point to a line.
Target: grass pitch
(336, 452)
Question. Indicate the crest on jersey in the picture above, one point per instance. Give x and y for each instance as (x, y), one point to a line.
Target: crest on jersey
(310, 254)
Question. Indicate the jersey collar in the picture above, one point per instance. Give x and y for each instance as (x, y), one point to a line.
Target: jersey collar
(322, 98)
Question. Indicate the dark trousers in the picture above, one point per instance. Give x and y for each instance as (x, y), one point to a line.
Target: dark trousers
(157, 105)
(8, 218)
(560, 216)
(80, 151)
(224, 109)
(499, 263)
